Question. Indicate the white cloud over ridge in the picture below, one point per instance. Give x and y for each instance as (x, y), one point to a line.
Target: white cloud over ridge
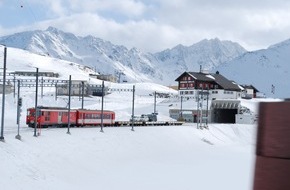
(156, 25)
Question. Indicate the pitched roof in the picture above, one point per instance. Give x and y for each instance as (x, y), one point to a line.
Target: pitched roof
(250, 87)
(212, 77)
(225, 83)
(197, 76)
(202, 76)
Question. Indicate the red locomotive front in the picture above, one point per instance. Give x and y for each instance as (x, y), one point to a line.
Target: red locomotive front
(50, 116)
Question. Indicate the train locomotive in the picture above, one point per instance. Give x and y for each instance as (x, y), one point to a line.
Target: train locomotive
(58, 117)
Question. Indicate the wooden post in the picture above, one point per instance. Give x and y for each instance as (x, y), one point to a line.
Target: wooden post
(272, 168)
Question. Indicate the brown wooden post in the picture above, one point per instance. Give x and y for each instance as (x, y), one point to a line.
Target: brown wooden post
(272, 169)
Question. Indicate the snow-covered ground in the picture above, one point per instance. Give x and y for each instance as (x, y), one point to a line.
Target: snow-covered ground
(149, 158)
(169, 158)
(160, 157)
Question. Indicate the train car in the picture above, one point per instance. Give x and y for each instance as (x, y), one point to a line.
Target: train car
(58, 117)
(50, 117)
(93, 117)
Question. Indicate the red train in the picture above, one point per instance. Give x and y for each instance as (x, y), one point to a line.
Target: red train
(58, 117)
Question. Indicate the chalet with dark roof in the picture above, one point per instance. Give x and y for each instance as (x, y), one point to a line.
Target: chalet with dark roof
(219, 87)
(249, 91)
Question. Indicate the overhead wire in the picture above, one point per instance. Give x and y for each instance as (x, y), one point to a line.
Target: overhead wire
(27, 9)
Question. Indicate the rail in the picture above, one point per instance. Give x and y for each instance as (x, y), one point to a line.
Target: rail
(147, 123)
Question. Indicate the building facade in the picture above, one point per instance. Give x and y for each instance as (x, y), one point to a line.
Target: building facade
(218, 87)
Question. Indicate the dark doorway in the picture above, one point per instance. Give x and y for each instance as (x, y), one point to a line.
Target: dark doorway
(224, 115)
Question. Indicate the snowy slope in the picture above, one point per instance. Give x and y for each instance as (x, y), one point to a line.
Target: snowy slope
(157, 158)
(20, 60)
(263, 69)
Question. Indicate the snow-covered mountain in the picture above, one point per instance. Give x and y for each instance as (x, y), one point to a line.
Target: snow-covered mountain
(108, 58)
(101, 55)
(268, 70)
(207, 53)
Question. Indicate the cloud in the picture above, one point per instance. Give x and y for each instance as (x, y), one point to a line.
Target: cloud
(129, 8)
(141, 34)
(154, 25)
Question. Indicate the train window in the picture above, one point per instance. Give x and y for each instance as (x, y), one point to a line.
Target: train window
(28, 112)
(106, 116)
(38, 112)
(89, 116)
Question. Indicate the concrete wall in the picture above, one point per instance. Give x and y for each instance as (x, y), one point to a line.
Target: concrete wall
(246, 119)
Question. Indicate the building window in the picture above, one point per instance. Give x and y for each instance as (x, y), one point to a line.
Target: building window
(214, 92)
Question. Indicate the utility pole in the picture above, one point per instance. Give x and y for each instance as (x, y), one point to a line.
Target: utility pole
(197, 109)
(41, 87)
(102, 111)
(3, 95)
(155, 102)
(201, 110)
(181, 116)
(36, 96)
(19, 104)
(207, 95)
(133, 104)
(83, 89)
(55, 91)
(14, 81)
(69, 94)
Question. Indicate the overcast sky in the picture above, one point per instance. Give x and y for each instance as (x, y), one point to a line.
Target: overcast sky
(154, 25)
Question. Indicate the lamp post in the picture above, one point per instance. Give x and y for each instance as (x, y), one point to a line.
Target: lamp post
(3, 95)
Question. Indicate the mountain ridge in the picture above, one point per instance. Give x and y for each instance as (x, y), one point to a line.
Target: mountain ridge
(262, 68)
(267, 69)
(108, 58)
